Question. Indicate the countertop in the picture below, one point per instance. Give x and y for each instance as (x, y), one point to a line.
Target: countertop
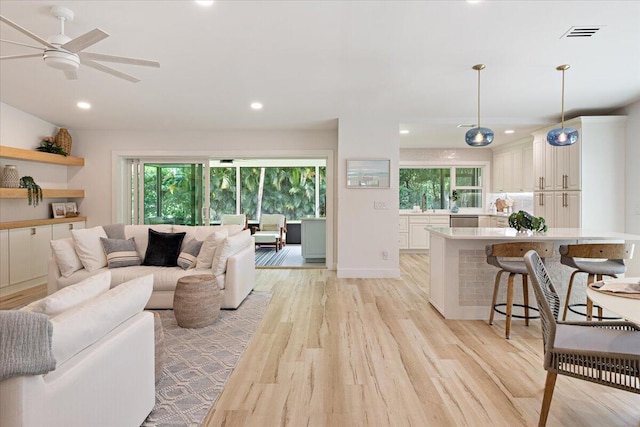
(448, 213)
(553, 234)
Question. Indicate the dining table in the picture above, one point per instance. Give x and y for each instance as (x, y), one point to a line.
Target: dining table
(623, 303)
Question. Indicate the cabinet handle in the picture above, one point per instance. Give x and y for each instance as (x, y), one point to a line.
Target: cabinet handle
(541, 200)
(70, 226)
(33, 231)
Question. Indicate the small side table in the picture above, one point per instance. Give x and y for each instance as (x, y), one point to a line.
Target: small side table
(196, 301)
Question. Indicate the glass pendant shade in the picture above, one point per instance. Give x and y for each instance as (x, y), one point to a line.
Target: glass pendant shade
(479, 137)
(562, 136)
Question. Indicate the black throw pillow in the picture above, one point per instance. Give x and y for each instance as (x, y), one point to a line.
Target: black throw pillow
(163, 248)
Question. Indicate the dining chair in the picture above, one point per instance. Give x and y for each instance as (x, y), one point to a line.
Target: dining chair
(605, 353)
(596, 260)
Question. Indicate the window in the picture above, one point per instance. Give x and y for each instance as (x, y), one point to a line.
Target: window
(431, 187)
(179, 193)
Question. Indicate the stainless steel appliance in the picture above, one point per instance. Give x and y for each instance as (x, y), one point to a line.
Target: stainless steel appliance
(463, 221)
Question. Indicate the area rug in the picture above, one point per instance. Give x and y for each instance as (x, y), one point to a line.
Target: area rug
(199, 361)
(269, 257)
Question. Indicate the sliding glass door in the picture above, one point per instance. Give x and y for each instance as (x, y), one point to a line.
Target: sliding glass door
(173, 193)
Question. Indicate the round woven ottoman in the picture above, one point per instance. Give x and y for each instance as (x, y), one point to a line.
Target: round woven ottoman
(196, 301)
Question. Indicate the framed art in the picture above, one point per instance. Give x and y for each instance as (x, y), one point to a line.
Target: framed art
(368, 173)
(70, 207)
(58, 210)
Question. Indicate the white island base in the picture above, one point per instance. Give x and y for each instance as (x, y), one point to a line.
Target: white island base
(461, 281)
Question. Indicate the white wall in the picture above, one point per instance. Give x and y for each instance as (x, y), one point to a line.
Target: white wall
(21, 130)
(446, 156)
(632, 178)
(364, 233)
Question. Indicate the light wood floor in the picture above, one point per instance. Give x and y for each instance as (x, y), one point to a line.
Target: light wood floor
(373, 352)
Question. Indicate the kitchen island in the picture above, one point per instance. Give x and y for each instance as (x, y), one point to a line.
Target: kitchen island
(461, 281)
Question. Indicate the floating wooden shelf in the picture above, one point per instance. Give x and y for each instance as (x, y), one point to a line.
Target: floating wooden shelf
(37, 156)
(39, 222)
(21, 193)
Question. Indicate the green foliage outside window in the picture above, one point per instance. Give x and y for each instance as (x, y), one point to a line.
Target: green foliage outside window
(433, 183)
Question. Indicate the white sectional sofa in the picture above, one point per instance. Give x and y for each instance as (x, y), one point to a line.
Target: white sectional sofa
(91, 364)
(227, 252)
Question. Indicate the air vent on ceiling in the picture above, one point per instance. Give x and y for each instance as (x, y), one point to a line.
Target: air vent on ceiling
(583, 31)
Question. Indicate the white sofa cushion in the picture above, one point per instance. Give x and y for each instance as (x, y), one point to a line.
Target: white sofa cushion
(208, 249)
(73, 295)
(229, 247)
(79, 327)
(89, 248)
(198, 232)
(64, 251)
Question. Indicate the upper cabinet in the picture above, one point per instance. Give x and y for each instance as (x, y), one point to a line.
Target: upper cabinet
(512, 168)
(556, 168)
(582, 185)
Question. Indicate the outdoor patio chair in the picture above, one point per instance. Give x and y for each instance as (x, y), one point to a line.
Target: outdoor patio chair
(272, 230)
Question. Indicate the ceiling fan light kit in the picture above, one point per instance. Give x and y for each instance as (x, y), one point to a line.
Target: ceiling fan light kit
(66, 54)
(562, 136)
(479, 136)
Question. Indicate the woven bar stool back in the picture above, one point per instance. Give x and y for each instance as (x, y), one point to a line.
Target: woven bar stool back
(596, 260)
(508, 257)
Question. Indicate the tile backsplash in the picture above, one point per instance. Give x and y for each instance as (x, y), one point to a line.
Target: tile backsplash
(522, 201)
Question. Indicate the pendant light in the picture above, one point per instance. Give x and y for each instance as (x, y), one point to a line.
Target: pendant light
(479, 136)
(562, 136)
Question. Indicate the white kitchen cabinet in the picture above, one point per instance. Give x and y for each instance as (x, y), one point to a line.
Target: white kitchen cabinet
(4, 258)
(29, 254)
(484, 221)
(313, 236)
(403, 227)
(584, 179)
(502, 222)
(513, 168)
(418, 236)
(413, 235)
(61, 231)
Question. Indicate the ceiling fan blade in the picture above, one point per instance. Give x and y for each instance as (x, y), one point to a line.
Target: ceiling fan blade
(27, 55)
(21, 44)
(85, 40)
(109, 70)
(26, 32)
(71, 74)
(120, 59)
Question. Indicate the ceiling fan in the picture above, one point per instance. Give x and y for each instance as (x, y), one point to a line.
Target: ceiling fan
(66, 54)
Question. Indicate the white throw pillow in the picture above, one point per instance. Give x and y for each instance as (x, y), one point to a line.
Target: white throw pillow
(89, 248)
(208, 249)
(64, 252)
(229, 247)
(83, 325)
(73, 295)
(198, 232)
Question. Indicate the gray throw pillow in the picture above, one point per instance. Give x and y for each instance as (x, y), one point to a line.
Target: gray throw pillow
(189, 255)
(114, 231)
(120, 252)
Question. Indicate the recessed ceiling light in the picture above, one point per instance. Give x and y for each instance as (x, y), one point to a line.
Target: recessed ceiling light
(509, 131)
(204, 2)
(404, 131)
(83, 105)
(256, 106)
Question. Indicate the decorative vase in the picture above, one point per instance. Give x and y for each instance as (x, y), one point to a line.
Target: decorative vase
(10, 177)
(63, 140)
(454, 208)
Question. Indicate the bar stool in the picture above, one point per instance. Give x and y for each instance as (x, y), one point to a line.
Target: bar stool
(497, 255)
(610, 262)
